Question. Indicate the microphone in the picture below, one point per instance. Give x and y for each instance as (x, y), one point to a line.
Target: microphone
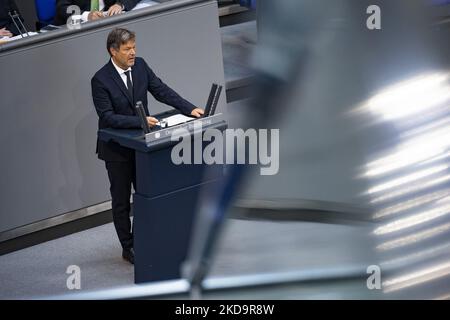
(141, 114)
(15, 16)
(216, 100)
(210, 100)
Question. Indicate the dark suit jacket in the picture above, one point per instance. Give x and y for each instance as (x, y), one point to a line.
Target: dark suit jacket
(5, 20)
(115, 107)
(85, 5)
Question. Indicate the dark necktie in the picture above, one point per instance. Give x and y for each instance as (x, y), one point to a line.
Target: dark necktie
(129, 84)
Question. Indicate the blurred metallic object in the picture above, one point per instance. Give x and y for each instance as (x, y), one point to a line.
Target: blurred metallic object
(277, 60)
(393, 86)
(408, 173)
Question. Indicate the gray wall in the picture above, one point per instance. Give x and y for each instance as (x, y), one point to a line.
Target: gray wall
(48, 123)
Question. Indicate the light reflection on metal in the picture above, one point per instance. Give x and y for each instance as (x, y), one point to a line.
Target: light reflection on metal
(411, 97)
(412, 203)
(443, 200)
(413, 188)
(438, 158)
(423, 255)
(417, 277)
(443, 297)
(407, 179)
(435, 125)
(429, 142)
(416, 150)
(413, 238)
(413, 220)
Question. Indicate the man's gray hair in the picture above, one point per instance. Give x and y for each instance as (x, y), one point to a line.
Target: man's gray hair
(117, 37)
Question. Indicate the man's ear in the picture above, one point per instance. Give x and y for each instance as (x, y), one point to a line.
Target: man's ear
(112, 51)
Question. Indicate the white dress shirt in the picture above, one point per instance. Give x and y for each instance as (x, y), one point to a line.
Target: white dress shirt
(122, 73)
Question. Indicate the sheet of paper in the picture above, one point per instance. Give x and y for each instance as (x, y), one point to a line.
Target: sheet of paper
(19, 36)
(177, 119)
(144, 4)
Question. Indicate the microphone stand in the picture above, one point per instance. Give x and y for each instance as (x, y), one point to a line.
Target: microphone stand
(15, 16)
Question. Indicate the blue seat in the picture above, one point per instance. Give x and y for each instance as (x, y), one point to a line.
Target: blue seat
(251, 4)
(46, 10)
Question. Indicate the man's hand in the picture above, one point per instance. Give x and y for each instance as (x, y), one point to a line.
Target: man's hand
(95, 15)
(152, 121)
(197, 112)
(115, 9)
(5, 33)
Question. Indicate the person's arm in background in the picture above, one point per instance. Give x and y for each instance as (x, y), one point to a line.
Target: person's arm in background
(62, 15)
(5, 32)
(10, 29)
(122, 5)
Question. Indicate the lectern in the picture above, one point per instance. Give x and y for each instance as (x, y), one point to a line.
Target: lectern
(166, 195)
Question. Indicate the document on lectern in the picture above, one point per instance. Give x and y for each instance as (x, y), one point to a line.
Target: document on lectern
(8, 39)
(177, 119)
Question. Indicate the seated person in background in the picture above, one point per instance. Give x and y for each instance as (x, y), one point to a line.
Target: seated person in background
(92, 9)
(7, 27)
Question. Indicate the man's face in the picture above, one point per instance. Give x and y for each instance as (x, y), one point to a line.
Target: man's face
(125, 56)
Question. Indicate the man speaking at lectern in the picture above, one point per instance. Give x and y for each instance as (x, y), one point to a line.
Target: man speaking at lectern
(116, 87)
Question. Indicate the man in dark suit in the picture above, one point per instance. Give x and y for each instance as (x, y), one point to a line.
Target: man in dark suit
(7, 27)
(92, 9)
(116, 87)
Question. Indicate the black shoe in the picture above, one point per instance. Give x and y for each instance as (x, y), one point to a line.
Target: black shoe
(128, 254)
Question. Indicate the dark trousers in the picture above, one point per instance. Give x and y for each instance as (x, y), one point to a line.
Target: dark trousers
(121, 176)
